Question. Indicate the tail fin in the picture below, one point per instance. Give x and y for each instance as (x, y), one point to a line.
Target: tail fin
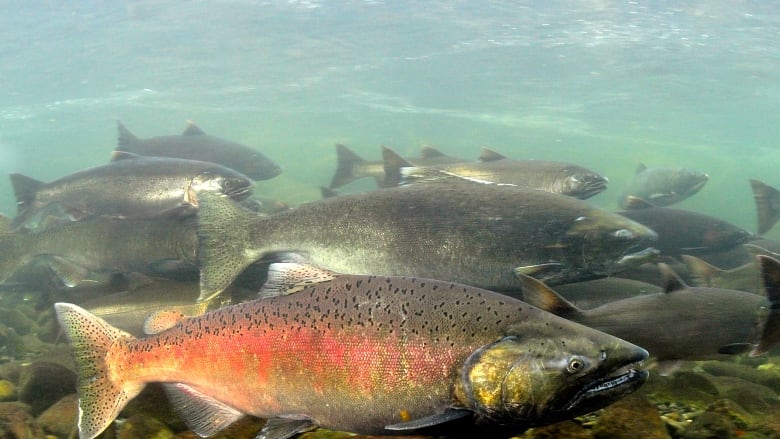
(125, 137)
(101, 395)
(393, 164)
(222, 242)
(767, 206)
(347, 159)
(25, 189)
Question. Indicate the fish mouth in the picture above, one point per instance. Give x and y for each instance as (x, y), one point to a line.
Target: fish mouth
(614, 386)
(588, 186)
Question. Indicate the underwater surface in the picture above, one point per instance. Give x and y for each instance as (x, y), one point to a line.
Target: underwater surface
(603, 84)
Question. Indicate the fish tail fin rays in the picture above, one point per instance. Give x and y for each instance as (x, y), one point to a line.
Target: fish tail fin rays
(766, 198)
(25, 190)
(393, 164)
(770, 336)
(538, 294)
(125, 138)
(222, 231)
(702, 272)
(345, 165)
(102, 393)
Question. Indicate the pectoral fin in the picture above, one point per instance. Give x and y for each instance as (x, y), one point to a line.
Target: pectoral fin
(290, 277)
(448, 415)
(735, 348)
(283, 428)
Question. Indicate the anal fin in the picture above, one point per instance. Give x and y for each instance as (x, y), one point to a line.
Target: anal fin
(447, 416)
(203, 414)
(284, 428)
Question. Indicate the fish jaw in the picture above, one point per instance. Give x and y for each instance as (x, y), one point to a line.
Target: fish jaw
(525, 382)
(584, 185)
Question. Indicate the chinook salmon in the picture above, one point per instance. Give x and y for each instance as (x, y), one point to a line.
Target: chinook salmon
(687, 232)
(492, 167)
(366, 354)
(162, 246)
(458, 231)
(682, 322)
(662, 186)
(195, 144)
(130, 187)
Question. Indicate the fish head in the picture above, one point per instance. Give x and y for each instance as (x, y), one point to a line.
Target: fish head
(602, 243)
(263, 167)
(578, 182)
(228, 182)
(538, 378)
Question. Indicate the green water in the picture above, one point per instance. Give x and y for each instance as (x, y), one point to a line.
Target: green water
(600, 83)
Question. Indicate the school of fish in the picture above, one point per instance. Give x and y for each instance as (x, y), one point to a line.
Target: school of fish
(481, 296)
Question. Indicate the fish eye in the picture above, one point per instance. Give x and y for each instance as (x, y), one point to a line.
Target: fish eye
(576, 364)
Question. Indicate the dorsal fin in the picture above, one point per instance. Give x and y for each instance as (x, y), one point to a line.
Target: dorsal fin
(290, 277)
(538, 294)
(766, 199)
(125, 138)
(122, 155)
(25, 190)
(671, 281)
(429, 152)
(393, 164)
(640, 168)
(770, 335)
(488, 155)
(160, 321)
(193, 130)
(702, 272)
(632, 202)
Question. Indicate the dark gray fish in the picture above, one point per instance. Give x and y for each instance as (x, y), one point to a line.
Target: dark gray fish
(767, 205)
(458, 231)
(492, 167)
(195, 144)
(662, 186)
(366, 354)
(161, 246)
(351, 167)
(687, 232)
(130, 187)
(681, 323)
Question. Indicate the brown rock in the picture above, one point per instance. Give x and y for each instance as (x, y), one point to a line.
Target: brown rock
(43, 383)
(139, 426)
(60, 419)
(567, 429)
(631, 417)
(16, 422)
